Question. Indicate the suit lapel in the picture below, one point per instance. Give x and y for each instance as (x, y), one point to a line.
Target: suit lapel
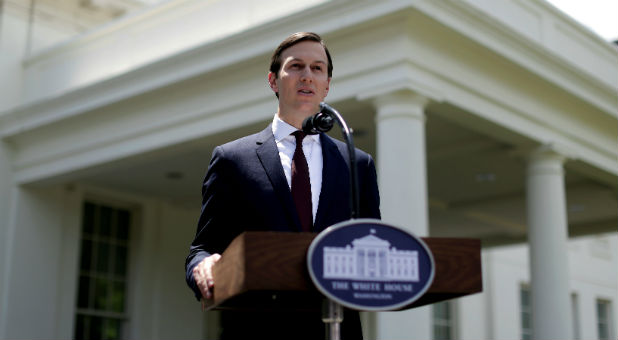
(333, 167)
(268, 155)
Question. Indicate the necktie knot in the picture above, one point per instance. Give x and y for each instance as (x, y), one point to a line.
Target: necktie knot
(300, 135)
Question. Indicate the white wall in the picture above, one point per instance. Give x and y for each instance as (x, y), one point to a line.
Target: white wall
(43, 257)
(160, 305)
(34, 250)
(472, 317)
(593, 270)
(509, 269)
(19, 39)
(146, 37)
(5, 204)
(12, 47)
(178, 314)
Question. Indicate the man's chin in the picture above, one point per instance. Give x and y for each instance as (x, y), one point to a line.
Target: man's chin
(310, 107)
(306, 108)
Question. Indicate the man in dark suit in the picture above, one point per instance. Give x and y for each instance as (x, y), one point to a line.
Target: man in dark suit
(280, 180)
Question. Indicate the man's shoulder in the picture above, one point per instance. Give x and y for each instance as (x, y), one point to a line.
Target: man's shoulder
(240, 143)
(342, 147)
(247, 143)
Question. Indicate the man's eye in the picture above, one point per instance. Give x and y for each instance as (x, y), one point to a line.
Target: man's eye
(317, 68)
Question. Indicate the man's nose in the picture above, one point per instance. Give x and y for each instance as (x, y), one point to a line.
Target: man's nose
(306, 75)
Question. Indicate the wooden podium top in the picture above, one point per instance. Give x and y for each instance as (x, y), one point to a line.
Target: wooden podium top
(268, 270)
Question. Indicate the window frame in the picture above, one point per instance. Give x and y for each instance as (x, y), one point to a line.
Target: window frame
(525, 333)
(607, 303)
(124, 317)
(450, 323)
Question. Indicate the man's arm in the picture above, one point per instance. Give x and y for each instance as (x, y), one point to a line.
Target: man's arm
(214, 230)
(203, 278)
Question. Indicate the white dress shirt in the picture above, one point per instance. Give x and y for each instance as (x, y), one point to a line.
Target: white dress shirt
(286, 144)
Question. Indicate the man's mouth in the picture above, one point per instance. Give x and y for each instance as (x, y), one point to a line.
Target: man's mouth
(305, 91)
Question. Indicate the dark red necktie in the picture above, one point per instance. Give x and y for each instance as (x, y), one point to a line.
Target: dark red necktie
(301, 186)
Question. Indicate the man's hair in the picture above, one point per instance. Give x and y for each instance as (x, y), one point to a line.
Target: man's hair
(275, 60)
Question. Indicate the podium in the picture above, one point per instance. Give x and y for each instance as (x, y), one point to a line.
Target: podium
(268, 271)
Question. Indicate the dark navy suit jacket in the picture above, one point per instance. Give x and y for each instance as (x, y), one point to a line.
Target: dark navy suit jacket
(245, 189)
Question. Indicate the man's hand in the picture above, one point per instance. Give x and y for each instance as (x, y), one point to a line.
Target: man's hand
(202, 274)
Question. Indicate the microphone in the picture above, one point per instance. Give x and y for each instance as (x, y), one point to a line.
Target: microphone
(320, 122)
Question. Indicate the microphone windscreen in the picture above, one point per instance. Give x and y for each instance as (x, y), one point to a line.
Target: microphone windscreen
(308, 127)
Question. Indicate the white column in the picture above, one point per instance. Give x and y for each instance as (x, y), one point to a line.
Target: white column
(547, 235)
(401, 163)
(401, 158)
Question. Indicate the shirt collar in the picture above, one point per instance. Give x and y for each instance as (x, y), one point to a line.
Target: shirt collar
(282, 129)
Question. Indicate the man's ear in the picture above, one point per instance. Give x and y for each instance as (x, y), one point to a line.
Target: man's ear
(327, 87)
(272, 81)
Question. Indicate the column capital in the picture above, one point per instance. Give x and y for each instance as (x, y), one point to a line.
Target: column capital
(401, 103)
(546, 159)
(545, 151)
(549, 151)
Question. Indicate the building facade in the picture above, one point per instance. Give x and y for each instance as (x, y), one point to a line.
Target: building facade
(495, 120)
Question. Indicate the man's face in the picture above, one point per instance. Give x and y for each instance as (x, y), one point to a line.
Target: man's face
(303, 80)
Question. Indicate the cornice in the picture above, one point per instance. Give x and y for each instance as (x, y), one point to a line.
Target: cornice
(335, 16)
(198, 60)
(535, 55)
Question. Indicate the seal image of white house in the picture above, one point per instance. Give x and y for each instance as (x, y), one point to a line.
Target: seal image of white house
(370, 258)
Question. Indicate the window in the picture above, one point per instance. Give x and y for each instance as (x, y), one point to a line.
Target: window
(525, 312)
(443, 321)
(604, 319)
(101, 297)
